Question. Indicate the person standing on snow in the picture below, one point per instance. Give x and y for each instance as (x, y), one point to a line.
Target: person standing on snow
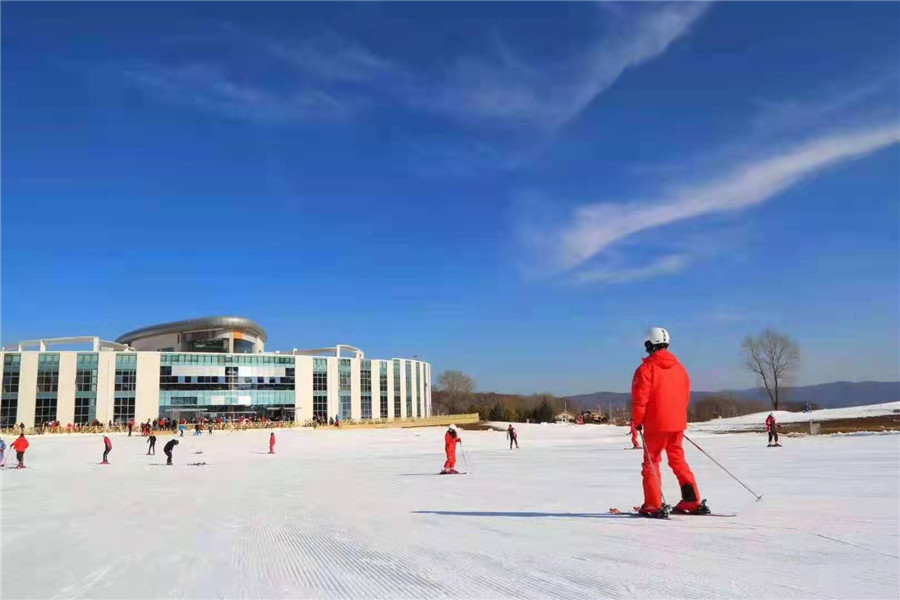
(451, 439)
(772, 429)
(181, 430)
(20, 446)
(660, 394)
(634, 437)
(167, 449)
(2, 453)
(513, 437)
(272, 443)
(107, 448)
(151, 448)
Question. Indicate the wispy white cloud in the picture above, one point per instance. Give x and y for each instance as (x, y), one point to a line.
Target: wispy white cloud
(209, 87)
(332, 57)
(595, 227)
(508, 91)
(666, 265)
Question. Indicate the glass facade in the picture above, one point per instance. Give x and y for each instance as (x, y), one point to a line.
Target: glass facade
(86, 388)
(344, 389)
(419, 389)
(409, 397)
(320, 389)
(47, 388)
(9, 402)
(212, 384)
(365, 388)
(397, 412)
(383, 388)
(125, 388)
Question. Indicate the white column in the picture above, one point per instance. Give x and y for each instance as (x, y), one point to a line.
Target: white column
(65, 396)
(390, 387)
(146, 396)
(334, 387)
(27, 388)
(303, 384)
(106, 385)
(403, 412)
(376, 389)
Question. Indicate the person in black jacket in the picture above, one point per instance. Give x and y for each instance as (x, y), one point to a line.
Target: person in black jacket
(151, 449)
(168, 450)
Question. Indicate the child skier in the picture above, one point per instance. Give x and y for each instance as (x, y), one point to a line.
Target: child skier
(772, 429)
(167, 449)
(660, 393)
(451, 439)
(181, 430)
(20, 446)
(272, 443)
(513, 437)
(107, 448)
(151, 448)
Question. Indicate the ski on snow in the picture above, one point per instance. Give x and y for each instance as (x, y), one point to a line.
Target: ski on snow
(457, 473)
(635, 513)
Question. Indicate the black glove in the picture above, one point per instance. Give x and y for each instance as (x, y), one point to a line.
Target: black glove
(640, 428)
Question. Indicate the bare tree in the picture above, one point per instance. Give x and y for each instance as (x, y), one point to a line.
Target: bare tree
(455, 390)
(774, 357)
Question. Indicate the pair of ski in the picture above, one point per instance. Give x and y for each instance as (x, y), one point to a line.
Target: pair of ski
(452, 473)
(664, 516)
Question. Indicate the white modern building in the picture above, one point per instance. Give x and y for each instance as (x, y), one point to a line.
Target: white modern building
(207, 367)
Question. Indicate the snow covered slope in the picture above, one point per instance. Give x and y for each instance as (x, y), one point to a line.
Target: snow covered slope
(758, 420)
(361, 514)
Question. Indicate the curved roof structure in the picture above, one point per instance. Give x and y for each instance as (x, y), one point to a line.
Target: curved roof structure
(238, 323)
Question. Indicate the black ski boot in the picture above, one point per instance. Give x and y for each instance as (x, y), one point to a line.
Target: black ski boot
(660, 513)
(703, 509)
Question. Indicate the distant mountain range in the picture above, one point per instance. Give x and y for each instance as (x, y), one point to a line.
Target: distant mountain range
(839, 394)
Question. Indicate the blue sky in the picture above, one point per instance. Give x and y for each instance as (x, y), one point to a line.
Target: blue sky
(517, 191)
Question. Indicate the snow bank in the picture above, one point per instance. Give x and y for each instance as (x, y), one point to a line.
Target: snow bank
(361, 514)
(757, 420)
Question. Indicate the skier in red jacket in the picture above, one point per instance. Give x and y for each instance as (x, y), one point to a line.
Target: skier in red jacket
(660, 393)
(20, 446)
(772, 429)
(107, 448)
(451, 439)
(272, 443)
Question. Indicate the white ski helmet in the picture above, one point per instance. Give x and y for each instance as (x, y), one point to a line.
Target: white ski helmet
(453, 428)
(657, 335)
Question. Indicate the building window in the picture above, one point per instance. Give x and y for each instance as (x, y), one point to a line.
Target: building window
(409, 401)
(320, 389)
(397, 407)
(44, 410)
(86, 388)
(126, 380)
(344, 390)
(123, 409)
(365, 386)
(9, 403)
(383, 388)
(47, 388)
(85, 410)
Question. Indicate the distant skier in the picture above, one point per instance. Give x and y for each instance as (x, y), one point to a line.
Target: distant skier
(167, 449)
(660, 393)
(151, 448)
(451, 439)
(130, 427)
(20, 446)
(772, 428)
(636, 445)
(2, 453)
(181, 430)
(107, 448)
(513, 437)
(272, 443)
(197, 429)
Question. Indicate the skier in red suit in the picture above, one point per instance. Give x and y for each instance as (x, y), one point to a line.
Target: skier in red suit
(272, 443)
(660, 393)
(451, 439)
(107, 448)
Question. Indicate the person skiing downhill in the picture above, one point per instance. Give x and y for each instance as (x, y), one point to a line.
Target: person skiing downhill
(636, 445)
(772, 429)
(167, 449)
(151, 447)
(451, 439)
(20, 446)
(513, 437)
(107, 448)
(660, 393)
(272, 443)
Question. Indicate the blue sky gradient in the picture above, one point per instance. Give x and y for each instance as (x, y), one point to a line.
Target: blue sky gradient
(517, 191)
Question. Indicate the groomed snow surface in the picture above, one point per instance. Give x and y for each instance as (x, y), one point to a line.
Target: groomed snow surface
(362, 514)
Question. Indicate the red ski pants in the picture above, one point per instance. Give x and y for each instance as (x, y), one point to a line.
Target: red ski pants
(654, 445)
(450, 463)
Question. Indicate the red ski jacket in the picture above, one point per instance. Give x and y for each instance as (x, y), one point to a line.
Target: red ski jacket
(450, 444)
(20, 445)
(660, 393)
(107, 443)
(770, 423)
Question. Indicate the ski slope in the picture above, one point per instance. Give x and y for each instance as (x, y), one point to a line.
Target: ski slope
(361, 514)
(758, 420)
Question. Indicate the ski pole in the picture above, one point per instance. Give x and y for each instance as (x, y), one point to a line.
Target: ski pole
(465, 462)
(758, 496)
(652, 468)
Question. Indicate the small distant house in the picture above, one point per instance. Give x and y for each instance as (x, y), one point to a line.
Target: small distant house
(565, 417)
